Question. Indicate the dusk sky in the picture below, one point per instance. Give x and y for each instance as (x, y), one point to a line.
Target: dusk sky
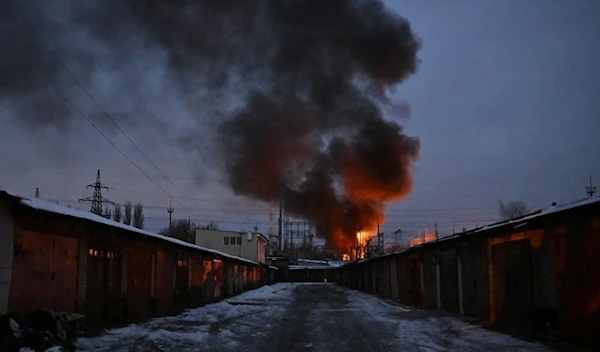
(505, 102)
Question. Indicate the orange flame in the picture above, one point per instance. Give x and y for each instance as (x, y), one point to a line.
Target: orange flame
(427, 237)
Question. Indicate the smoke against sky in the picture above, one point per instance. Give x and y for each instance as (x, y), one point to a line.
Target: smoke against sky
(502, 111)
(321, 69)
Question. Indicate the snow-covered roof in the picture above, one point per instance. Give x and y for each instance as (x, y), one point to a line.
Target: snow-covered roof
(40, 204)
(277, 258)
(316, 262)
(517, 221)
(523, 219)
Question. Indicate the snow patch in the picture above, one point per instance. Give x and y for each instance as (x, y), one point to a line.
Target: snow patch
(196, 326)
(418, 328)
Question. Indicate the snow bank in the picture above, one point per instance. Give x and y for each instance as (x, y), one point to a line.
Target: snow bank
(51, 349)
(195, 326)
(426, 333)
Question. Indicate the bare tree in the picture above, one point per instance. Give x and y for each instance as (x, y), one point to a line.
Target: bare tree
(181, 229)
(210, 226)
(138, 216)
(107, 213)
(117, 214)
(127, 213)
(512, 209)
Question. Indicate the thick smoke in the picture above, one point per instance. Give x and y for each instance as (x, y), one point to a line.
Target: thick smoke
(27, 68)
(307, 82)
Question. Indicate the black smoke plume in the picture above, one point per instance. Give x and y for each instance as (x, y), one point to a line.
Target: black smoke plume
(308, 82)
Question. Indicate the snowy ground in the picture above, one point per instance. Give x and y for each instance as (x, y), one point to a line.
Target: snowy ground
(304, 317)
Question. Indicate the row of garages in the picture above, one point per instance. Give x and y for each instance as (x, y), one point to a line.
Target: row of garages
(532, 274)
(59, 258)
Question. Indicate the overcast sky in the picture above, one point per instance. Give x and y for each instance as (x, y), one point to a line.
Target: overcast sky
(505, 103)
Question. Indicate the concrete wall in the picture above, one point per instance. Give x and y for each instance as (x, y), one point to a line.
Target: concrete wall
(7, 227)
(214, 239)
(254, 249)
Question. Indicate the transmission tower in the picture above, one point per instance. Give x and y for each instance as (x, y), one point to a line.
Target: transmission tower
(273, 238)
(96, 199)
(280, 189)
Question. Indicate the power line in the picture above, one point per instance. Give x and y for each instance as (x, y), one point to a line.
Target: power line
(264, 207)
(113, 144)
(237, 220)
(191, 178)
(106, 114)
(225, 215)
(121, 130)
(392, 223)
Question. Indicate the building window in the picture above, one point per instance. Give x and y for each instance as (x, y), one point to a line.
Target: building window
(232, 241)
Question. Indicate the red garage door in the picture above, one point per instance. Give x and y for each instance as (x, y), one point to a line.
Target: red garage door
(45, 273)
(139, 284)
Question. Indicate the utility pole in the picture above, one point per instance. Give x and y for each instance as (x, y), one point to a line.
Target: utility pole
(280, 186)
(397, 233)
(255, 227)
(591, 189)
(170, 210)
(379, 241)
(37, 192)
(96, 199)
(304, 236)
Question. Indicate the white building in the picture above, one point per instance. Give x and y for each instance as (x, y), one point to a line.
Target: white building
(247, 245)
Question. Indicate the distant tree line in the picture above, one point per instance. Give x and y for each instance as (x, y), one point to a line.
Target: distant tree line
(185, 230)
(513, 209)
(129, 214)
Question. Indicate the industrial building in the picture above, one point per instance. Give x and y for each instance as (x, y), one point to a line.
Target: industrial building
(248, 245)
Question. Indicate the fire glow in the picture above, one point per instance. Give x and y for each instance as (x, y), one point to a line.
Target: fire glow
(312, 83)
(322, 133)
